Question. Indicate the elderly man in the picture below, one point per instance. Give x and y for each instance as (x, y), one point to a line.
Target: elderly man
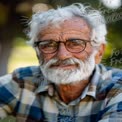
(70, 85)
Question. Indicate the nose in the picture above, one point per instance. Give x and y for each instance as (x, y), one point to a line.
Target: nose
(63, 53)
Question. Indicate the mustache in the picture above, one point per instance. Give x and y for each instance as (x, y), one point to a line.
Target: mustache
(57, 62)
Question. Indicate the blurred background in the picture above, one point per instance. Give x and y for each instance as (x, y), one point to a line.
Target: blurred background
(14, 18)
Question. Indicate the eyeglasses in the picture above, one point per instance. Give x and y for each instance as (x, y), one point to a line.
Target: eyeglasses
(51, 46)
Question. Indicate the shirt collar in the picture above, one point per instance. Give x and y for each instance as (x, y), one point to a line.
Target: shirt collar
(43, 86)
(92, 89)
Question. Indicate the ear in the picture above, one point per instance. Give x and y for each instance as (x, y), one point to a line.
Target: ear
(98, 56)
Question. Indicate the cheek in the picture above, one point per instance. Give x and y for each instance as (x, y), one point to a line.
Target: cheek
(85, 54)
(82, 56)
(43, 58)
(47, 57)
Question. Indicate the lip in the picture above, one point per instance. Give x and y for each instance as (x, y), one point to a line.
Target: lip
(64, 66)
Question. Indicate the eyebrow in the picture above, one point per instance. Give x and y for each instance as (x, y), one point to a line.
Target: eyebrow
(69, 39)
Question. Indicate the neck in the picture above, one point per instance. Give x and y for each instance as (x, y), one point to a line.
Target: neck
(70, 92)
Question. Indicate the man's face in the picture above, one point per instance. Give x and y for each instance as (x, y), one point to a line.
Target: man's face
(64, 66)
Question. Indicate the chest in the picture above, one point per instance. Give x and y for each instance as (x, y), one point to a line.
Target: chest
(54, 110)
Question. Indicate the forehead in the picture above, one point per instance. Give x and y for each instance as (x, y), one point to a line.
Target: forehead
(74, 25)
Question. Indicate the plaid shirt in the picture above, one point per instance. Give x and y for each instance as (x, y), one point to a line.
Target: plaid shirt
(28, 96)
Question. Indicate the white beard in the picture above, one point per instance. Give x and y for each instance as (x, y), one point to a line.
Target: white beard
(63, 76)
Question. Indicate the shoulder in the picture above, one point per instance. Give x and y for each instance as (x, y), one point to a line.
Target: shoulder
(17, 90)
(109, 75)
(29, 71)
(30, 74)
(28, 77)
(23, 77)
(110, 93)
(110, 82)
(5, 79)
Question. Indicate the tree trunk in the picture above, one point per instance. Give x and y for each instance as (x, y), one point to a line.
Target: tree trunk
(5, 51)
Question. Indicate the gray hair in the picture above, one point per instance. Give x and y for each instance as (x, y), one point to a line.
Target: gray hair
(55, 17)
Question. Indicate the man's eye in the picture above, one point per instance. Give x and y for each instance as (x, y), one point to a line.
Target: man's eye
(47, 44)
(77, 42)
(52, 44)
(44, 43)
